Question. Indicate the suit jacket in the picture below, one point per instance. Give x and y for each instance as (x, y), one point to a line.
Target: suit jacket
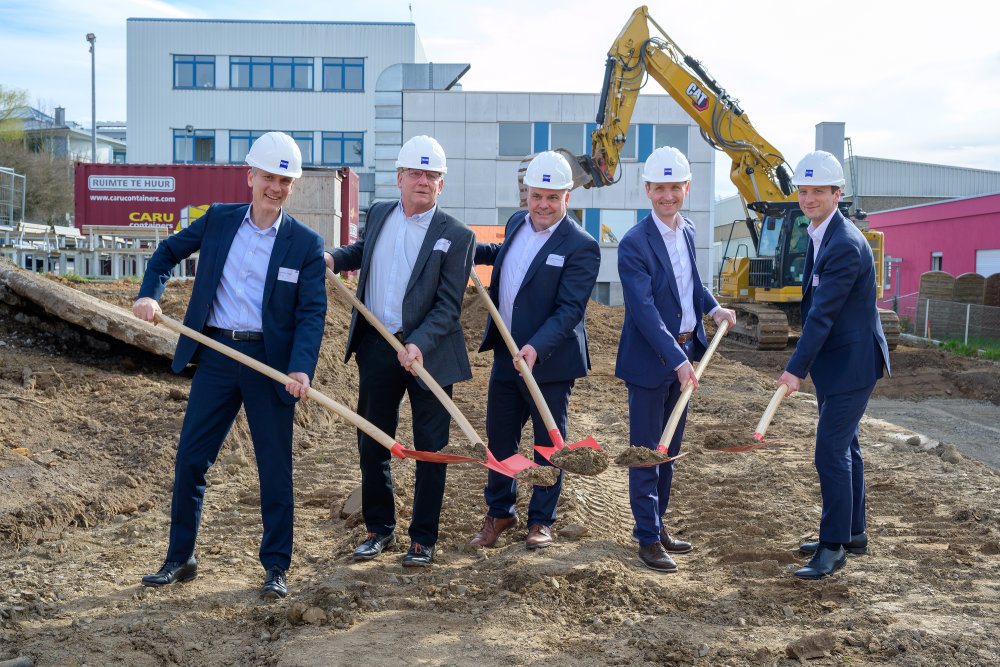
(432, 303)
(648, 351)
(842, 344)
(550, 305)
(293, 313)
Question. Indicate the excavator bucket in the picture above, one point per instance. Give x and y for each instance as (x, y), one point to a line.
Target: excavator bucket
(581, 175)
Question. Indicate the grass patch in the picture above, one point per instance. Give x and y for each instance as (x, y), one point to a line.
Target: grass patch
(990, 347)
(75, 277)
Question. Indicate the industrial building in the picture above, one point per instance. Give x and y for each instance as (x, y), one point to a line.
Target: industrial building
(53, 134)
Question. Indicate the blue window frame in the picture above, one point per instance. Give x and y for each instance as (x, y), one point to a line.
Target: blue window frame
(240, 142)
(270, 73)
(304, 140)
(343, 148)
(194, 71)
(195, 146)
(346, 74)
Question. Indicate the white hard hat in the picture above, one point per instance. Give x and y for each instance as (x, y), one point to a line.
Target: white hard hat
(277, 153)
(549, 170)
(819, 168)
(666, 165)
(422, 152)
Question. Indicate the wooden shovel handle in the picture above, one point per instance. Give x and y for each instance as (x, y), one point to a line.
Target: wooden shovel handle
(421, 372)
(536, 393)
(768, 415)
(360, 422)
(675, 416)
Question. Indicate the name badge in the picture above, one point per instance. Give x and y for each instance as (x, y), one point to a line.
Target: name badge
(442, 245)
(815, 280)
(288, 275)
(555, 260)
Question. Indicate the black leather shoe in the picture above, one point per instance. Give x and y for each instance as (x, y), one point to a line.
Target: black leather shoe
(418, 556)
(276, 584)
(655, 557)
(172, 571)
(825, 562)
(673, 546)
(373, 546)
(857, 546)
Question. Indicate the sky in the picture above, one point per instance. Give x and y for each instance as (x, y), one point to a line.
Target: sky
(910, 83)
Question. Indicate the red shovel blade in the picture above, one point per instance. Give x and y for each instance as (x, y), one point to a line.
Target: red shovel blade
(432, 457)
(646, 465)
(558, 444)
(510, 466)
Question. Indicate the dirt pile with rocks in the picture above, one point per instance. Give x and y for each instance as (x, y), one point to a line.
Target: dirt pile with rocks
(88, 433)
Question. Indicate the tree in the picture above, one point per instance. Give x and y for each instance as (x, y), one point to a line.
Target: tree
(13, 102)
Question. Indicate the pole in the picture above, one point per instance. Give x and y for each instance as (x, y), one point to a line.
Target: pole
(91, 37)
(968, 307)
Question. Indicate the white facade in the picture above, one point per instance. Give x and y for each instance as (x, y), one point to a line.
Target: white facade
(481, 184)
(190, 98)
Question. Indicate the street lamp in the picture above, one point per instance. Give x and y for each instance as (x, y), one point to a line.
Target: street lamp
(91, 37)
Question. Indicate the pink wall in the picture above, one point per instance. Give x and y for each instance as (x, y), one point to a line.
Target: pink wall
(954, 228)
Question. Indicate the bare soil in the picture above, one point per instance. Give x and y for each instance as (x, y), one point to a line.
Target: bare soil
(88, 431)
(581, 460)
(539, 475)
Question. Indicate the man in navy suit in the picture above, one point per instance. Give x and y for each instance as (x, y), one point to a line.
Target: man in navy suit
(543, 275)
(260, 289)
(661, 336)
(415, 261)
(842, 346)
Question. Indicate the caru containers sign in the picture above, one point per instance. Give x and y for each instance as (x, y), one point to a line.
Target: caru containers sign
(169, 196)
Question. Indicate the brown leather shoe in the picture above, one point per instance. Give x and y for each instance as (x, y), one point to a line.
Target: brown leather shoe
(673, 546)
(492, 527)
(656, 558)
(539, 536)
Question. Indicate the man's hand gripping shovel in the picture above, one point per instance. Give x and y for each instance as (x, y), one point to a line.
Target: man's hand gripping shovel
(536, 395)
(510, 466)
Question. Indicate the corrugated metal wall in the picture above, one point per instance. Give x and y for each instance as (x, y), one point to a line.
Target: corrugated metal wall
(878, 177)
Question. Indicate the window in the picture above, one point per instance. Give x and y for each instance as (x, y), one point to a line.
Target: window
(346, 74)
(304, 140)
(194, 71)
(240, 142)
(671, 135)
(628, 150)
(194, 146)
(617, 223)
(568, 136)
(504, 213)
(343, 148)
(515, 139)
(936, 261)
(270, 73)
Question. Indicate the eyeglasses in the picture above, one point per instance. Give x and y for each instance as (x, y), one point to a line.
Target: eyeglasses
(417, 174)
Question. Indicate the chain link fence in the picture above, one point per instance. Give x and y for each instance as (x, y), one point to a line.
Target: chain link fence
(938, 319)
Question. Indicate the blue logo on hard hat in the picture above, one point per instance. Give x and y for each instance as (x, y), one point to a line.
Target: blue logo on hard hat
(283, 164)
(425, 160)
(546, 178)
(668, 171)
(809, 173)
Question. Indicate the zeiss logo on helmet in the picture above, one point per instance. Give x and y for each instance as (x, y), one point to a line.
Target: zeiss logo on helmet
(425, 160)
(668, 171)
(283, 164)
(546, 178)
(809, 173)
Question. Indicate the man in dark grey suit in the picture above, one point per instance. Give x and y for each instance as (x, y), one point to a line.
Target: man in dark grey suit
(415, 262)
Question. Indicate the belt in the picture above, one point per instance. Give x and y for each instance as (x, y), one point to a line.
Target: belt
(399, 336)
(685, 337)
(234, 335)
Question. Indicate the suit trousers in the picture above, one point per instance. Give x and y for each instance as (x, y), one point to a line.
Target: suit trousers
(220, 386)
(839, 464)
(382, 385)
(649, 486)
(508, 407)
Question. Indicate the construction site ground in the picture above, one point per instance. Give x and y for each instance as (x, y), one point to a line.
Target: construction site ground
(88, 432)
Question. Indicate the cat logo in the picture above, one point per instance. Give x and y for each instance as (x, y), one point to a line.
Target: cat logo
(698, 96)
(189, 214)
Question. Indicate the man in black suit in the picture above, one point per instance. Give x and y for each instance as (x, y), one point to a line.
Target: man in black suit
(543, 275)
(415, 261)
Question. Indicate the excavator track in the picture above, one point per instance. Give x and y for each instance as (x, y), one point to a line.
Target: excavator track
(890, 327)
(759, 326)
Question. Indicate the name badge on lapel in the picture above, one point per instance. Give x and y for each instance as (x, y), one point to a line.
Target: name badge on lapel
(442, 245)
(288, 275)
(815, 280)
(555, 260)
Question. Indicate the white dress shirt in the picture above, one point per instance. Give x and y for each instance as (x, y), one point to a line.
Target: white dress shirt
(239, 299)
(680, 262)
(818, 233)
(395, 253)
(522, 248)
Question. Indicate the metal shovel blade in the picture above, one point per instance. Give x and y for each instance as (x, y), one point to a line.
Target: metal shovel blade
(656, 463)
(510, 466)
(547, 452)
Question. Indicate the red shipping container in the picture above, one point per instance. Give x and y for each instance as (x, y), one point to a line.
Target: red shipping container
(169, 196)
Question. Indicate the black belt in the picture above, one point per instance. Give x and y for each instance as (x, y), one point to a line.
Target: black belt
(683, 338)
(399, 336)
(234, 335)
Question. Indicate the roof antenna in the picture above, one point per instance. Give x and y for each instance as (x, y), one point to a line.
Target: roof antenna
(411, 12)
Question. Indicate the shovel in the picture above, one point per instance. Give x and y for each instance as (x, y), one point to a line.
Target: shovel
(360, 422)
(675, 415)
(536, 393)
(510, 466)
(768, 415)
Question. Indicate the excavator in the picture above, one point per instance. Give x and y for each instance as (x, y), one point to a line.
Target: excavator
(765, 290)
